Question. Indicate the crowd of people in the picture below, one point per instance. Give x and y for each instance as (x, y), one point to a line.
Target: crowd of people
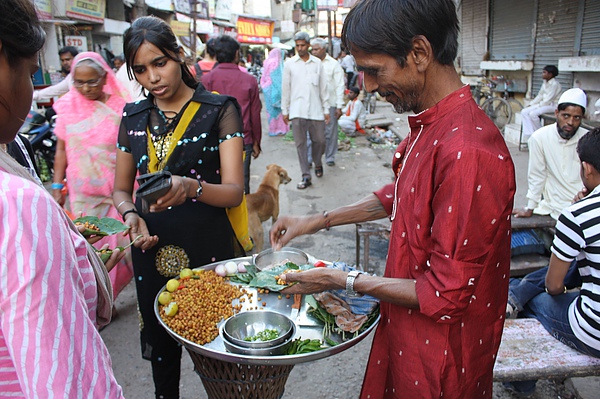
(445, 290)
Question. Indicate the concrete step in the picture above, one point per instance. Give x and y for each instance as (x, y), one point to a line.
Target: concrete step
(512, 133)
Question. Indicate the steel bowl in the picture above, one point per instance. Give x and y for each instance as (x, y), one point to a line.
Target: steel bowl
(270, 258)
(280, 349)
(247, 324)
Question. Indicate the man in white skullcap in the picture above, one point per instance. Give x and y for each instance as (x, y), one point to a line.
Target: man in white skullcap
(554, 166)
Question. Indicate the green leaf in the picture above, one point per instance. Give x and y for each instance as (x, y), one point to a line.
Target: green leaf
(108, 226)
(268, 278)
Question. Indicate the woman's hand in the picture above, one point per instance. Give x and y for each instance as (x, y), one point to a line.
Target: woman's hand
(90, 239)
(59, 196)
(177, 195)
(137, 227)
(115, 257)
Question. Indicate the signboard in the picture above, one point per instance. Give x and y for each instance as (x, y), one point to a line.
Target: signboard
(44, 9)
(183, 6)
(254, 31)
(86, 10)
(180, 28)
(79, 42)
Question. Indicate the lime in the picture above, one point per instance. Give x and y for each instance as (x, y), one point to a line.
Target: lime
(184, 273)
(171, 309)
(172, 285)
(165, 297)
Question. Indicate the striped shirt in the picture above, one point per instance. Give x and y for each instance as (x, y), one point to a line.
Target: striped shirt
(49, 344)
(578, 237)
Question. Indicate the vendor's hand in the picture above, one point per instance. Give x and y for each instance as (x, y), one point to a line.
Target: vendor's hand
(314, 280)
(137, 226)
(286, 119)
(523, 213)
(338, 113)
(581, 195)
(59, 196)
(115, 258)
(288, 227)
(327, 118)
(177, 194)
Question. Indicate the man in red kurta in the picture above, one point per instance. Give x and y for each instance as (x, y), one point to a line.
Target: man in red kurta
(444, 291)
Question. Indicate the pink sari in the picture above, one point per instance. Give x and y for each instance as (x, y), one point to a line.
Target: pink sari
(89, 130)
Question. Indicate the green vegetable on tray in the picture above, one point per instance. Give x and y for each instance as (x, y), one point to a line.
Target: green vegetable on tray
(265, 335)
(106, 253)
(267, 279)
(94, 226)
(300, 346)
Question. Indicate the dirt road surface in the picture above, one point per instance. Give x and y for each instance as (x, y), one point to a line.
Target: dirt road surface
(359, 171)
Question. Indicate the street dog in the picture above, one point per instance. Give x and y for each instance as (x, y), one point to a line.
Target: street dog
(264, 203)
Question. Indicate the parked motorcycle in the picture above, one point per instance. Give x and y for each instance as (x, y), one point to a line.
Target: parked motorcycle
(40, 133)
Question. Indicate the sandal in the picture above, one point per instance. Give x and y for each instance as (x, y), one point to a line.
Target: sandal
(304, 183)
(319, 171)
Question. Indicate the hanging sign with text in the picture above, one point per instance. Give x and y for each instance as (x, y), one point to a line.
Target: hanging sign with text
(254, 31)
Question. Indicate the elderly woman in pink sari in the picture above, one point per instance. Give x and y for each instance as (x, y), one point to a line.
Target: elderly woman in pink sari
(271, 81)
(87, 127)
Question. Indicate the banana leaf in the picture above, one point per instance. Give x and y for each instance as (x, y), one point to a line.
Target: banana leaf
(267, 279)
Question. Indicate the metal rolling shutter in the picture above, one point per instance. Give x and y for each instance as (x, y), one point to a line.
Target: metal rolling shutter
(555, 38)
(590, 35)
(511, 30)
(473, 33)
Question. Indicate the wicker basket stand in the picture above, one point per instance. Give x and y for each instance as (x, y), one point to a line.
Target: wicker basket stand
(225, 380)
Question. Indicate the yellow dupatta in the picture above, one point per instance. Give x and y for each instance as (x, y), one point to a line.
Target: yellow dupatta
(238, 216)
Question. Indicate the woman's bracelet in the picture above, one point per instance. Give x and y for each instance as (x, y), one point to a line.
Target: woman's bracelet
(57, 186)
(132, 210)
(122, 202)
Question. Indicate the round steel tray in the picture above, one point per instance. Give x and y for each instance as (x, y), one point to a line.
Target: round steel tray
(216, 348)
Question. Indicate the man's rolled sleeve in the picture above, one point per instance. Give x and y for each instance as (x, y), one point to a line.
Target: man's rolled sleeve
(386, 197)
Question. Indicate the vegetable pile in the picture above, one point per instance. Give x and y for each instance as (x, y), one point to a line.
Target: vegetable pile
(265, 335)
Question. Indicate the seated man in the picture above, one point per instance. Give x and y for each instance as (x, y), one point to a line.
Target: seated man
(353, 115)
(553, 176)
(544, 102)
(572, 317)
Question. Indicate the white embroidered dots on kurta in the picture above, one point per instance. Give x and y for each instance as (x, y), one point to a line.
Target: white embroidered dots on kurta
(479, 188)
(435, 142)
(403, 234)
(455, 129)
(465, 242)
(400, 353)
(418, 226)
(426, 342)
(445, 317)
(500, 157)
(493, 221)
(450, 209)
(398, 155)
(412, 189)
(416, 382)
(489, 304)
(478, 128)
(459, 155)
(437, 293)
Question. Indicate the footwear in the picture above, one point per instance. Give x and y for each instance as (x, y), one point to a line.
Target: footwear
(319, 171)
(330, 163)
(511, 311)
(304, 183)
(521, 389)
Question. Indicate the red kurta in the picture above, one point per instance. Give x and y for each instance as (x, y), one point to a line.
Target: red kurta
(451, 233)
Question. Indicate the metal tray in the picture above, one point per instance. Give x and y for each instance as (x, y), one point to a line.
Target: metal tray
(216, 348)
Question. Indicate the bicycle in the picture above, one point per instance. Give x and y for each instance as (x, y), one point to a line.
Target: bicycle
(499, 109)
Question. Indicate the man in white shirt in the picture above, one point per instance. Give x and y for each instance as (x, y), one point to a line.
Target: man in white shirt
(335, 84)
(544, 102)
(305, 101)
(349, 64)
(353, 115)
(554, 167)
(66, 55)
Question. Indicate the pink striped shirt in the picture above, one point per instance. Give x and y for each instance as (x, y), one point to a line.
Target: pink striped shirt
(49, 344)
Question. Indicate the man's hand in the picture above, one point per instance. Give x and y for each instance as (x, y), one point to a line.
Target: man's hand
(314, 280)
(338, 113)
(255, 150)
(288, 227)
(286, 119)
(523, 213)
(581, 195)
(327, 118)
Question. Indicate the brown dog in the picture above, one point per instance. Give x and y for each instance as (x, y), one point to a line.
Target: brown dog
(264, 203)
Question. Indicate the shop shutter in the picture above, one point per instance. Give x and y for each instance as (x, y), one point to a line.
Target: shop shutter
(473, 42)
(555, 38)
(590, 35)
(511, 30)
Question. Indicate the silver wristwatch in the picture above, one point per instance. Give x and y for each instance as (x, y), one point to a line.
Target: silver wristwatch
(350, 283)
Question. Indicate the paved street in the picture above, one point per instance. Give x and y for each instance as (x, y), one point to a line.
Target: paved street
(360, 170)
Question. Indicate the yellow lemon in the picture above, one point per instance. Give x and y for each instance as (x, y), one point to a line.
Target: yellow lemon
(165, 297)
(184, 273)
(172, 285)
(171, 309)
